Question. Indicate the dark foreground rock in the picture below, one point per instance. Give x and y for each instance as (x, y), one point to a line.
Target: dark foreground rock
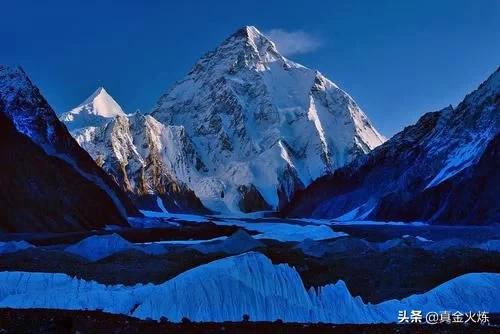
(47, 181)
(43, 193)
(43, 321)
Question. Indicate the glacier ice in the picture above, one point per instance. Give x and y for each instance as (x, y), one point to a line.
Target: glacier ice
(284, 232)
(238, 242)
(14, 246)
(98, 247)
(250, 284)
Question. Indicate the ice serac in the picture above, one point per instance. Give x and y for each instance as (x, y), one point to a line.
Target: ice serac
(139, 153)
(48, 182)
(226, 289)
(443, 169)
(262, 125)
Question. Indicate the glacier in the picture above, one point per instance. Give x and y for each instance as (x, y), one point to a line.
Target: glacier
(225, 289)
(239, 242)
(283, 231)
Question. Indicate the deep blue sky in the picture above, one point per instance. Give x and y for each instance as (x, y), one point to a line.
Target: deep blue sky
(398, 59)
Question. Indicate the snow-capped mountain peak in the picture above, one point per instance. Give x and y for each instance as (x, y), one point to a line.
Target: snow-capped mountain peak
(96, 110)
(244, 129)
(140, 154)
(258, 43)
(263, 125)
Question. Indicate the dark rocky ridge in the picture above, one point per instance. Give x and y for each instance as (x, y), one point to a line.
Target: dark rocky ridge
(394, 182)
(251, 199)
(43, 193)
(470, 197)
(42, 321)
(48, 182)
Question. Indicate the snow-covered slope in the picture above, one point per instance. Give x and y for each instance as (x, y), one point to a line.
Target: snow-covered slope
(250, 284)
(98, 247)
(14, 246)
(138, 152)
(237, 243)
(96, 110)
(263, 126)
(442, 169)
(48, 181)
(283, 231)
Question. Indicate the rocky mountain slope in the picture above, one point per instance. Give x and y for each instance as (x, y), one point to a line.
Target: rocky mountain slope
(260, 126)
(443, 169)
(48, 182)
(137, 151)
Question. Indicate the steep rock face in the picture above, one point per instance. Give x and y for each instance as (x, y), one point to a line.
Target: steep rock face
(257, 119)
(141, 154)
(48, 182)
(469, 197)
(226, 289)
(441, 170)
(251, 199)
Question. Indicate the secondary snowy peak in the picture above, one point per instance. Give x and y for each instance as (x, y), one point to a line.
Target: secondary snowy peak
(137, 151)
(264, 126)
(144, 157)
(96, 110)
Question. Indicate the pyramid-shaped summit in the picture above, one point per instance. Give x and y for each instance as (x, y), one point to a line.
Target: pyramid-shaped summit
(262, 125)
(96, 110)
(248, 44)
